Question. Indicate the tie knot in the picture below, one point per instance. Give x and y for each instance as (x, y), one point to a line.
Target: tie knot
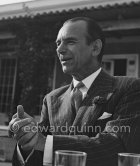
(79, 85)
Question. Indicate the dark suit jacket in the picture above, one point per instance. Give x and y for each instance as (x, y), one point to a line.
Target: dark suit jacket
(119, 96)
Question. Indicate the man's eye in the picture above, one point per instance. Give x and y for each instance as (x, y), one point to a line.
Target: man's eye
(71, 42)
(58, 43)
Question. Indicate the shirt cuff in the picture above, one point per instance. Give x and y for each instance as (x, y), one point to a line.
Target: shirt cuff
(20, 157)
(48, 151)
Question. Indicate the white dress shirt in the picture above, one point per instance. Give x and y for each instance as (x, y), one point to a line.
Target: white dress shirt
(87, 82)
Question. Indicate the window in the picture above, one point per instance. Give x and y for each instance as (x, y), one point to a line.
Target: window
(8, 67)
(121, 65)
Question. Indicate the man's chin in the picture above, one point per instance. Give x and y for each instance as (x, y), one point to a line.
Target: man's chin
(66, 71)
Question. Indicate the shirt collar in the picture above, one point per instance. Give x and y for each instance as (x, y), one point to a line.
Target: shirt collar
(88, 80)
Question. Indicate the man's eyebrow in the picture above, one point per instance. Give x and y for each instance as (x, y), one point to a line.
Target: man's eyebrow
(57, 40)
(66, 39)
(70, 38)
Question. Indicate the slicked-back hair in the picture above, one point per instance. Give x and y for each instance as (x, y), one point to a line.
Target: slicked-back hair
(94, 32)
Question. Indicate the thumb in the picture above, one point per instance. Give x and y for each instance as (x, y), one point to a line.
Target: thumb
(20, 111)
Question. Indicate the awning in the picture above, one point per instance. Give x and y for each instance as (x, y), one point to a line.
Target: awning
(38, 7)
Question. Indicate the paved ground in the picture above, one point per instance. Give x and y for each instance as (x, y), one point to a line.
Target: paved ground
(5, 164)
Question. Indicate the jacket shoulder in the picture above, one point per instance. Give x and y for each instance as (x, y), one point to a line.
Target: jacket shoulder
(58, 91)
(127, 82)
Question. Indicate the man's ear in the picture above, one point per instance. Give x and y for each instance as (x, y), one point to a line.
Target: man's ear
(97, 46)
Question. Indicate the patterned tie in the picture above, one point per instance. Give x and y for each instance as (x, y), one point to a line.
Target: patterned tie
(76, 96)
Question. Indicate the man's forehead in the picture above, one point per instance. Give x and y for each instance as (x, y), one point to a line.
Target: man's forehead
(72, 28)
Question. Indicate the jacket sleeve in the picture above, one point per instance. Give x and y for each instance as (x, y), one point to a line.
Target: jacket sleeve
(35, 159)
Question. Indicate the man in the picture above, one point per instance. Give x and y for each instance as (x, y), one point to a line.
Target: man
(106, 122)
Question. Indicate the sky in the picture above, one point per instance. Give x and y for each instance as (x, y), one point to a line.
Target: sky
(4, 2)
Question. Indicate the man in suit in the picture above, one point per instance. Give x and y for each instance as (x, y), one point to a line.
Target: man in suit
(105, 122)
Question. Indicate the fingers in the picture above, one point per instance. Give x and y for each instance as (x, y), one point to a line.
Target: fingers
(22, 122)
(20, 111)
(20, 127)
(16, 117)
(16, 123)
(12, 129)
(29, 128)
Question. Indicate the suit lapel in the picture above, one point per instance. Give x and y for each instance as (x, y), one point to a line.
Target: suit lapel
(89, 112)
(62, 113)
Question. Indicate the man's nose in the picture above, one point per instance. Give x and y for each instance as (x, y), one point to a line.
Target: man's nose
(61, 49)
